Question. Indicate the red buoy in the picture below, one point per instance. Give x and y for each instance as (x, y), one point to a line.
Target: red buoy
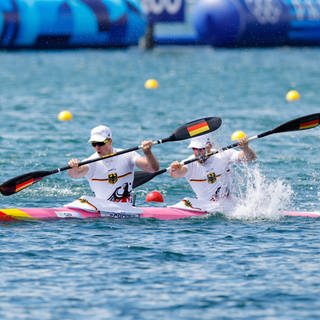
(154, 196)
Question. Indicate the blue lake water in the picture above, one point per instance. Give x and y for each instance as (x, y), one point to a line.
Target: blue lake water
(253, 265)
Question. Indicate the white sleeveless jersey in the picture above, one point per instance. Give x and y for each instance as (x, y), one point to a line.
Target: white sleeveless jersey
(211, 180)
(112, 178)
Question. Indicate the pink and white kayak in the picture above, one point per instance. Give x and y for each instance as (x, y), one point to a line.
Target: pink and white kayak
(160, 213)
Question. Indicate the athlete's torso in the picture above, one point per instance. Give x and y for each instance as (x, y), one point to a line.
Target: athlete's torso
(112, 178)
(211, 180)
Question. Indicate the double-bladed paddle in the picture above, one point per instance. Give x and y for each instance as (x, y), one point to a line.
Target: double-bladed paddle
(302, 123)
(189, 130)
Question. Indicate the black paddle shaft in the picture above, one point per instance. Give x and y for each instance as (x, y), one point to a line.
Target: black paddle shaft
(302, 123)
(191, 129)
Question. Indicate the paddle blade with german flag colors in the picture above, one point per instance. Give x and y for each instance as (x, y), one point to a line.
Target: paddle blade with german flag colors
(302, 123)
(19, 183)
(311, 122)
(188, 130)
(195, 128)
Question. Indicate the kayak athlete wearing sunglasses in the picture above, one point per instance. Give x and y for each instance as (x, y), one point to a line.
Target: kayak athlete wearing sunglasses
(111, 178)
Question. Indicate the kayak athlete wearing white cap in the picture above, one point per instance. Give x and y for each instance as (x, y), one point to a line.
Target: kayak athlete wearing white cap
(111, 178)
(210, 177)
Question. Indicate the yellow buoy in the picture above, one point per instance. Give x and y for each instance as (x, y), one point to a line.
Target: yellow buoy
(238, 135)
(64, 115)
(151, 84)
(292, 95)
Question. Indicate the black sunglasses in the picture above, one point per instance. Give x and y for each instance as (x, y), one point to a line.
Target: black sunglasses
(99, 144)
(198, 148)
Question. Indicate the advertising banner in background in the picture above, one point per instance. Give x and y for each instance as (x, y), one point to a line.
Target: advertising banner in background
(164, 10)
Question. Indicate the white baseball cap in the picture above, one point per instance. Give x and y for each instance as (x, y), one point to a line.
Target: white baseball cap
(100, 133)
(199, 142)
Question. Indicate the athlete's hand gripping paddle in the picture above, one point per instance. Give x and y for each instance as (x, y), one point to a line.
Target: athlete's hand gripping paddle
(189, 130)
(302, 123)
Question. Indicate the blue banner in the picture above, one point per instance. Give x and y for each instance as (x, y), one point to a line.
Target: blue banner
(70, 23)
(260, 23)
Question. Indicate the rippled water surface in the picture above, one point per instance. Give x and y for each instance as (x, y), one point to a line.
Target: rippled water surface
(253, 265)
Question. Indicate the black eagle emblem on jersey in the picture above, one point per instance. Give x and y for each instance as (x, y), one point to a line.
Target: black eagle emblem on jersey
(211, 177)
(112, 178)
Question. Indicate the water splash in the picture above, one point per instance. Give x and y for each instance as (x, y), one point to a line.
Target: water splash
(260, 198)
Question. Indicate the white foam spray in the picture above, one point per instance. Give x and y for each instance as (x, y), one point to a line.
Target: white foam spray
(260, 199)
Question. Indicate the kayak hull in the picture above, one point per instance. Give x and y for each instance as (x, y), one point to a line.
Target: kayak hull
(306, 214)
(163, 213)
(160, 213)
